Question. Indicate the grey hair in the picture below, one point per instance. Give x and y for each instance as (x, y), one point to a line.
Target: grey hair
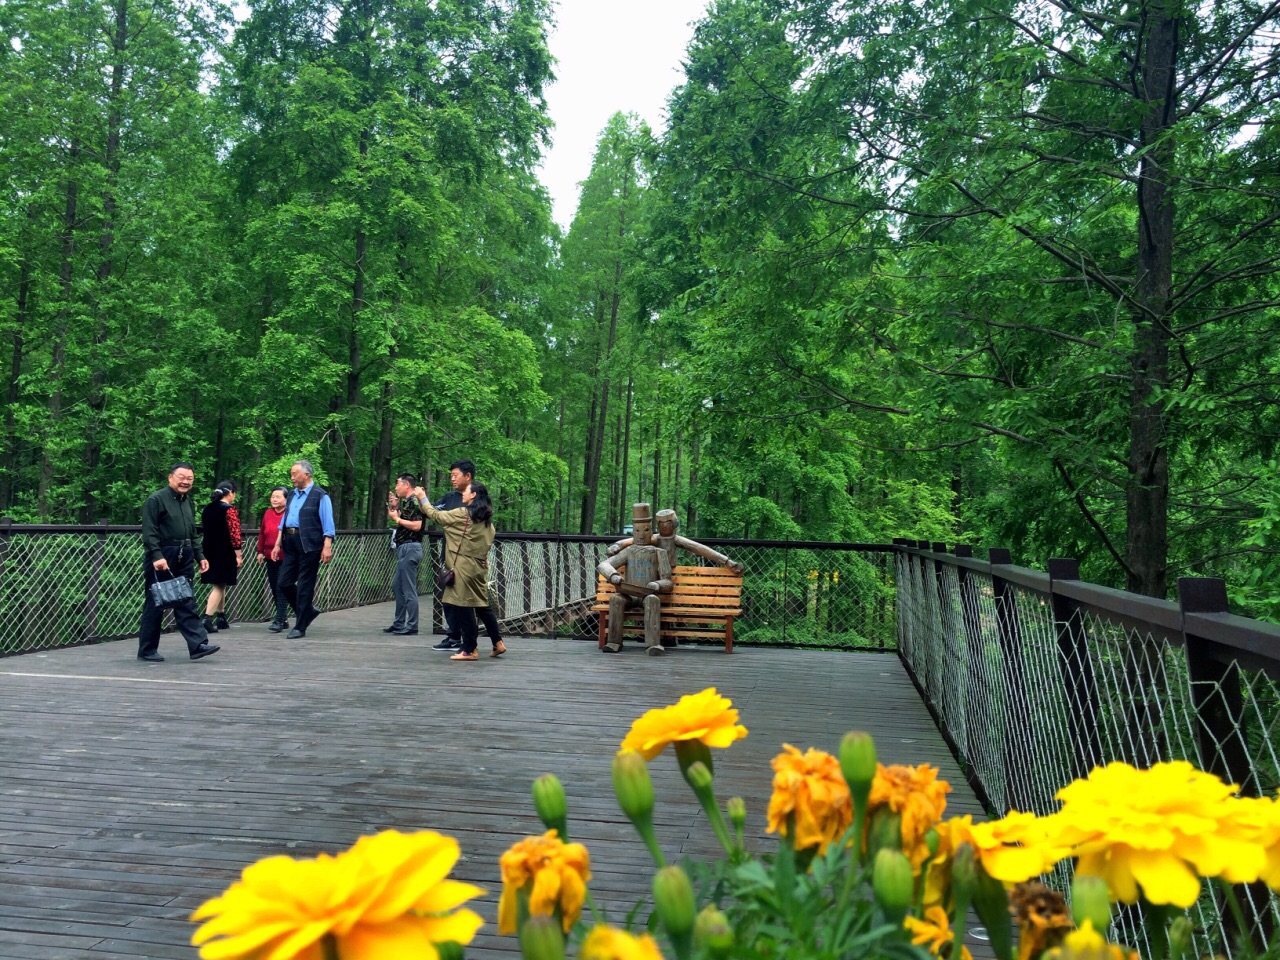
(305, 465)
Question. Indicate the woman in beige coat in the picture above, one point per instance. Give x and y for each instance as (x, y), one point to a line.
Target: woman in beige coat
(468, 535)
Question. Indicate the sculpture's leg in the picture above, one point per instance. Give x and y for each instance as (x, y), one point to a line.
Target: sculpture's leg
(653, 626)
(617, 608)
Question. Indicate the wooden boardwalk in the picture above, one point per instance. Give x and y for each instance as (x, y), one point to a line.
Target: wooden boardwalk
(132, 792)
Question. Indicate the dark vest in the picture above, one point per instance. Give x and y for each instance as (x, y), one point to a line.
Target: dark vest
(310, 532)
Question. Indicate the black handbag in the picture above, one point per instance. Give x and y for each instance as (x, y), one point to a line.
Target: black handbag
(445, 578)
(171, 592)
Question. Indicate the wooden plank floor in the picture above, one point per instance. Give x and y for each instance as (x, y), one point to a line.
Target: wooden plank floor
(132, 792)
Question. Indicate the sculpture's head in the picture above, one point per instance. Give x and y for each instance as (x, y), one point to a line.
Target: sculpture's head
(641, 523)
(668, 523)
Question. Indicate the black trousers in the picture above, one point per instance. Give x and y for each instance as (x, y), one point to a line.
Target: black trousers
(273, 579)
(297, 578)
(453, 624)
(181, 564)
(462, 624)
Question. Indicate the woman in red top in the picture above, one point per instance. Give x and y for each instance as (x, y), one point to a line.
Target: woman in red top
(268, 534)
(222, 542)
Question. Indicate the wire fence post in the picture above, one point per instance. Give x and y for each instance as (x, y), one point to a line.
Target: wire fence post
(1077, 668)
(1017, 748)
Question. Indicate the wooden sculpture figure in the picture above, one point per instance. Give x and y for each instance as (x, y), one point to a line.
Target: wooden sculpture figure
(667, 538)
(640, 571)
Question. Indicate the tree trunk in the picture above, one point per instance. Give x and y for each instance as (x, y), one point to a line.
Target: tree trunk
(59, 360)
(1147, 501)
(97, 401)
(623, 512)
(346, 501)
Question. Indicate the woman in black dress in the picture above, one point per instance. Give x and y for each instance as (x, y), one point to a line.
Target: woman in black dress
(222, 542)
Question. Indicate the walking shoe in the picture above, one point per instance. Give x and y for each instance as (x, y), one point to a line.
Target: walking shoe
(405, 631)
(221, 621)
(447, 644)
(394, 628)
(209, 625)
(204, 650)
(499, 650)
(296, 634)
(278, 625)
(151, 657)
(465, 656)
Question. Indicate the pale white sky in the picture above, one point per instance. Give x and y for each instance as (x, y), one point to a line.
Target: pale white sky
(613, 55)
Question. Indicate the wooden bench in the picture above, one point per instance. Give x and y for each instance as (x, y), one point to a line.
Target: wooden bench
(701, 606)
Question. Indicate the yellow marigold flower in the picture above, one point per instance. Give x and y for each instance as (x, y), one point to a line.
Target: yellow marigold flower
(1158, 830)
(810, 786)
(934, 933)
(918, 796)
(556, 874)
(386, 896)
(706, 716)
(607, 943)
(1087, 944)
(1014, 849)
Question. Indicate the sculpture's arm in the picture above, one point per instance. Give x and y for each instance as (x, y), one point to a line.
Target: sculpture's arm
(702, 550)
(610, 570)
(664, 583)
(615, 548)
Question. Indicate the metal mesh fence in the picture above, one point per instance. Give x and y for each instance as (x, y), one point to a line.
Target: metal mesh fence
(63, 586)
(1035, 690)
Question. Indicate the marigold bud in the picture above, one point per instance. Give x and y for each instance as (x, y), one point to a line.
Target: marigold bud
(541, 938)
(550, 804)
(932, 842)
(964, 873)
(698, 775)
(1180, 937)
(689, 752)
(893, 883)
(858, 764)
(884, 832)
(673, 897)
(1091, 900)
(632, 785)
(737, 810)
(711, 932)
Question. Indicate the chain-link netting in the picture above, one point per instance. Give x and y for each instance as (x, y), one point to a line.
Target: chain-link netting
(1035, 696)
(62, 588)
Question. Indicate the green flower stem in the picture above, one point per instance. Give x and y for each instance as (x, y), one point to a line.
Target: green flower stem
(683, 945)
(644, 827)
(707, 797)
(1156, 920)
(855, 856)
(1236, 910)
(329, 944)
(596, 916)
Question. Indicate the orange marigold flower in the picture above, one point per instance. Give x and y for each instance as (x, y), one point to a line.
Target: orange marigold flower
(608, 943)
(1042, 916)
(553, 872)
(387, 896)
(934, 932)
(706, 716)
(810, 786)
(918, 796)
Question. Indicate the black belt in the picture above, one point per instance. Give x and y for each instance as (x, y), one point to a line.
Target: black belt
(292, 531)
(175, 543)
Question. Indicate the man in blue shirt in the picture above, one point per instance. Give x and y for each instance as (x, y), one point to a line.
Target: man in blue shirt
(306, 541)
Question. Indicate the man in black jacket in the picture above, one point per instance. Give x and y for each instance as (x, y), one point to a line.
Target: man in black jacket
(171, 550)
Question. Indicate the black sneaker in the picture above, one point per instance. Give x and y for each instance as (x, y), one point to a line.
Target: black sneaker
(222, 622)
(447, 644)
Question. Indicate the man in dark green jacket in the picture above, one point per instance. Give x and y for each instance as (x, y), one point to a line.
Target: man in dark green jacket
(171, 550)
